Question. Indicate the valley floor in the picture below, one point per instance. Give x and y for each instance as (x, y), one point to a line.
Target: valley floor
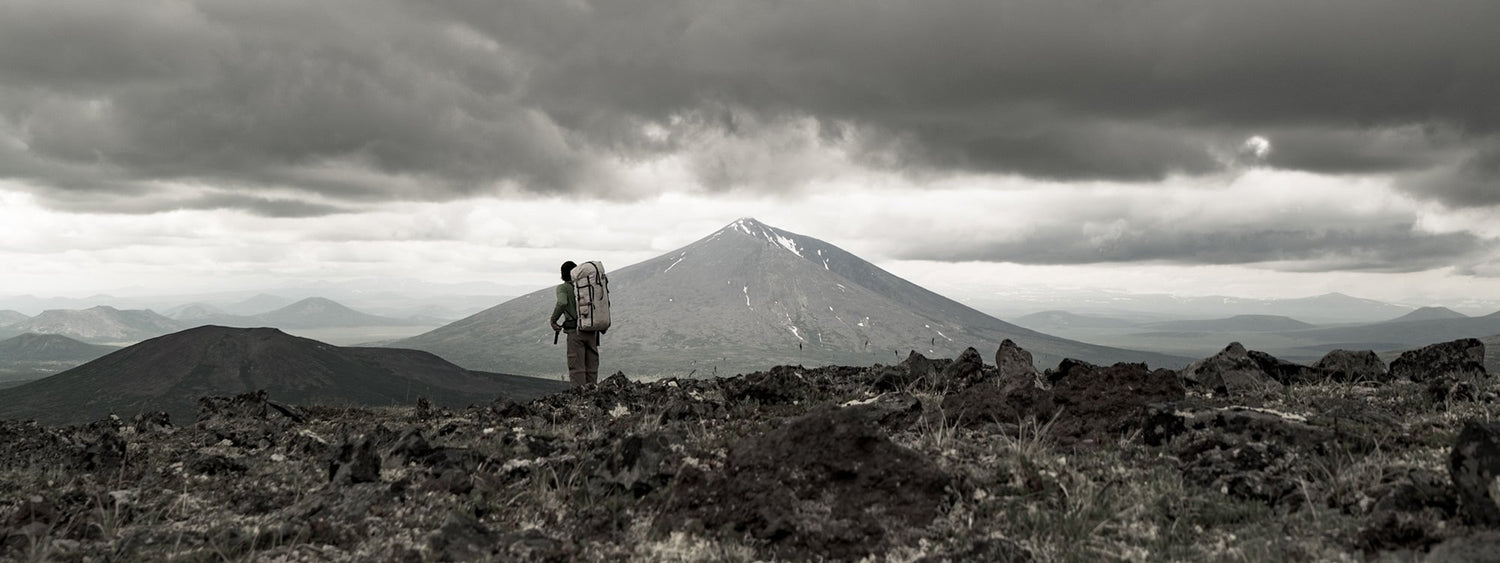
(793, 464)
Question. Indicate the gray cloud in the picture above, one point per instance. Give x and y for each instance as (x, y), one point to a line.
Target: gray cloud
(376, 100)
(1375, 248)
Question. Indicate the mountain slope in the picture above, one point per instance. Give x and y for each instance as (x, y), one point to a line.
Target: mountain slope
(9, 317)
(170, 372)
(745, 298)
(101, 324)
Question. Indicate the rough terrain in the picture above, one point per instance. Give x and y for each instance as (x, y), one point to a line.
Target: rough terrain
(925, 460)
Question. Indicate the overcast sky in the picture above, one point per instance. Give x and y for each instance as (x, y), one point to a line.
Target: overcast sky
(1262, 149)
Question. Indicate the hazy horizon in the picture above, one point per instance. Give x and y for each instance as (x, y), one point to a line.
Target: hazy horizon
(1274, 149)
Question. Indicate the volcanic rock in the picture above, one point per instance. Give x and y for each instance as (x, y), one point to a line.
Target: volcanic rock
(1474, 465)
(1415, 490)
(915, 370)
(638, 462)
(783, 384)
(830, 482)
(1481, 547)
(1103, 403)
(1168, 422)
(1089, 402)
(1015, 365)
(988, 403)
(1459, 356)
(891, 411)
(355, 462)
(1349, 366)
(965, 371)
(1230, 372)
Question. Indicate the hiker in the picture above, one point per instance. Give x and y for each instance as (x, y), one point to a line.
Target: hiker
(583, 346)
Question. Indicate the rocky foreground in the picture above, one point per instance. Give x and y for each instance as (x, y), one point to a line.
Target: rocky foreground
(1240, 456)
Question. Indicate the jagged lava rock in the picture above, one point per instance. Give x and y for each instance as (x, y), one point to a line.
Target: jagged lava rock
(1103, 403)
(1230, 372)
(1016, 365)
(1465, 355)
(965, 371)
(1483, 547)
(830, 482)
(1474, 465)
(891, 411)
(1089, 402)
(1348, 365)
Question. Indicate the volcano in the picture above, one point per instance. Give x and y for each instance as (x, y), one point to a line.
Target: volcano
(171, 372)
(746, 298)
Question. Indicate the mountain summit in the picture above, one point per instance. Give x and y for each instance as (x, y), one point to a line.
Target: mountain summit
(748, 297)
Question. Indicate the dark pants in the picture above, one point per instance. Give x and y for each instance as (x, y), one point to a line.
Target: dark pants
(583, 357)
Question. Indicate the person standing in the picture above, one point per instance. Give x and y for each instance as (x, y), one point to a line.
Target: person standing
(583, 346)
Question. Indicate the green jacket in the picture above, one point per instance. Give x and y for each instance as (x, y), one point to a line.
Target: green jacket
(567, 304)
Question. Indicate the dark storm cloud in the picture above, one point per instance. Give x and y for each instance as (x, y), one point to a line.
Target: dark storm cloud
(1376, 248)
(384, 99)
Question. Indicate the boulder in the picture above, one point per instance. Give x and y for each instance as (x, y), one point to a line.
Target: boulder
(1350, 366)
(1436, 360)
(1284, 372)
(916, 369)
(1474, 465)
(1016, 365)
(963, 372)
(1231, 372)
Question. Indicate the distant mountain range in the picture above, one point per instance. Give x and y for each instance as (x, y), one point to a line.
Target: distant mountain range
(1328, 308)
(32, 356)
(171, 372)
(749, 297)
(102, 324)
(105, 324)
(1237, 323)
(1051, 320)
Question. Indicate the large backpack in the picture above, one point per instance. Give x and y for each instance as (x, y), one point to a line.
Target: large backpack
(591, 286)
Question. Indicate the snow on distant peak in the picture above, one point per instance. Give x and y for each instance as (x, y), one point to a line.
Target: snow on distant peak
(769, 234)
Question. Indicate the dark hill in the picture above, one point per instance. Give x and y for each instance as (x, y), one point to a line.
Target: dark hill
(171, 372)
(746, 297)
